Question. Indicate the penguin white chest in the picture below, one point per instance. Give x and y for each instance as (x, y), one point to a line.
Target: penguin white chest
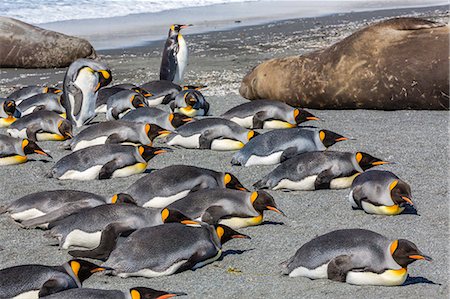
(87, 143)
(226, 145)
(277, 124)
(28, 295)
(88, 174)
(87, 82)
(387, 278)
(78, 238)
(161, 201)
(271, 159)
(187, 142)
(27, 214)
(151, 273)
(17, 133)
(182, 59)
(306, 184)
(246, 122)
(320, 272)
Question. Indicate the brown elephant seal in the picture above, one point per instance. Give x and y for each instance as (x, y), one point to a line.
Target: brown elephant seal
(26, 46)
(400, 63)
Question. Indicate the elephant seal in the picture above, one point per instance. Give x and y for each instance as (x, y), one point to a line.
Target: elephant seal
(26, 46)
(401, 63)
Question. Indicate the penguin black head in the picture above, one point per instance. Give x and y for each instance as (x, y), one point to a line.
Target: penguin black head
(231, 182)
(123, 198)
(137, 100)
(225, 233)
(251, 134)
(105, 78)
(148, 293)
(366, 161)
(143, 92)
(400, 193)
(178, 119)
(329, 138)
(84, 269)
(301, 116)
(405, 252)
(65, 128)
(176, 28)
(53, 90)
(154, 131)
(30, 147)
(262, 201)
(148, 152)
(9, 106)
(169, 215)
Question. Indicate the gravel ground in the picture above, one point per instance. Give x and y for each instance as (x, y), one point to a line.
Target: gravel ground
(416, 140)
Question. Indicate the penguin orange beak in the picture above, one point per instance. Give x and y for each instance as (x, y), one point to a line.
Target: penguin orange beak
(97, 87)
(185, 26)
(312, 118)
(191, 222)
(99, 269)
(241, 188)
(240, 236)
(69, 135)
(160, 152)
(188, 119)
(164, 132)
(420, 257)
(40, 152)
(341, 139)
(381, 163)
(276, 210)
(170, 295)
(407, 200)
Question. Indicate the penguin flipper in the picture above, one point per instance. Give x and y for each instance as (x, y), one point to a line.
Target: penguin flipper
(213, 214)
(358, 196)
(339, 267)
(108, 241)
(55, 215)
(169, 62)
(39, 108)
(53, 285)
(324, 179)
(32, 132)
(115, 113)
(206, 138)
(114, 139)
(108, 169)
(259, 118)
(77, 98)
(288, 153)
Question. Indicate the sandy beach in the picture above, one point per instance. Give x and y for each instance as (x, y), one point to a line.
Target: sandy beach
(416, 140)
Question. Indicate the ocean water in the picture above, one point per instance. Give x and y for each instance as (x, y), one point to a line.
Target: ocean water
(45, 11)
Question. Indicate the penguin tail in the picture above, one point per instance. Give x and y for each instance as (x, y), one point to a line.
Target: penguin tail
(67, 144)
(3, 209)
(285, 266)
(235, 162)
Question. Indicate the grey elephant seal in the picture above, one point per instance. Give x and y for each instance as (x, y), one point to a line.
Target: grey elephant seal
(26, 46)
(400, 63)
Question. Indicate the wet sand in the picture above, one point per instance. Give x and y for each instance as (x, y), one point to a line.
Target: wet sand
(416, 140)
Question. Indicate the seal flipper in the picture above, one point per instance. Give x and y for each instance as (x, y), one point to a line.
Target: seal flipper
(412, 24)
(339, 267)
(53, 286)
(259, 119)
(324, 179)
(108, 241)
(288, 153)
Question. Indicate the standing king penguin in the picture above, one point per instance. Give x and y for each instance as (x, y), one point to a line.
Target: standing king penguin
(81, 84)
(175, 56)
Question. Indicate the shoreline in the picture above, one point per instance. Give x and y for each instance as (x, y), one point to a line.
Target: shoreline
(140, 29)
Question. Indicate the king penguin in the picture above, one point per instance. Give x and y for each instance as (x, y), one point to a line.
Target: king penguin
(355, 256)
(175, 56)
